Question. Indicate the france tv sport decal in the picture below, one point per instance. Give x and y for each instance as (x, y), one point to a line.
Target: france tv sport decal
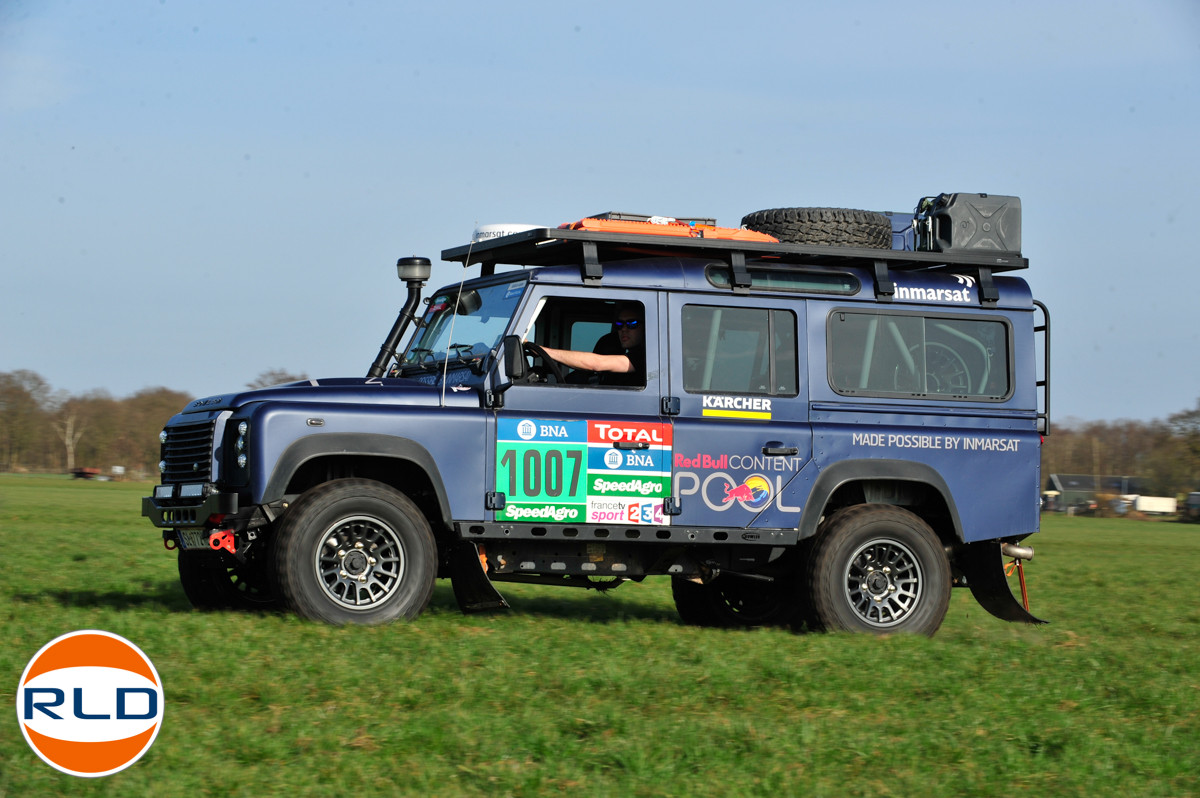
(90, 703)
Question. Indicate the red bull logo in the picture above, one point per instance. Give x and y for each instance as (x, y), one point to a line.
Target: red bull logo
(753, 494)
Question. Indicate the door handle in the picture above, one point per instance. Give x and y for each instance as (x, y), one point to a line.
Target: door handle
(777, 449)
(631, 445)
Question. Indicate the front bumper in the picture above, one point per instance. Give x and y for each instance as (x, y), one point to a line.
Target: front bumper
(181, 506)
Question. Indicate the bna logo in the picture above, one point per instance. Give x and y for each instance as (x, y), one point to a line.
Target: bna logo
(90, 703)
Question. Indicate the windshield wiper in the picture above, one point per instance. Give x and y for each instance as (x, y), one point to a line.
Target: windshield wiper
(475, 363)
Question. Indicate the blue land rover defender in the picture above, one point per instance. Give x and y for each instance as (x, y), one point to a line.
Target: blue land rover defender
(836, 417)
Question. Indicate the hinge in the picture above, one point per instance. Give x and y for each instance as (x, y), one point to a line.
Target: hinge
(671, 506)
(493, 500)
(670, 405)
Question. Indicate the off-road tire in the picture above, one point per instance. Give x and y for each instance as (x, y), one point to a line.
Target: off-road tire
(835, 227)
(878, 568)
(355, 551)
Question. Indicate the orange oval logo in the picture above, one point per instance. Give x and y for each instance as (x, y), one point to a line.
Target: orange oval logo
(90, 703)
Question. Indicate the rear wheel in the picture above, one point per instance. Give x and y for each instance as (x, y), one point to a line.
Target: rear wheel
(835, 227)
(356, 551)
(878, 568)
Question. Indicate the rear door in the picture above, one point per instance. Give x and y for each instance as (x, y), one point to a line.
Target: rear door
(742, 432)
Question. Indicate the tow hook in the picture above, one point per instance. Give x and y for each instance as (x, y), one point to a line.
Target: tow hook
(223, 539)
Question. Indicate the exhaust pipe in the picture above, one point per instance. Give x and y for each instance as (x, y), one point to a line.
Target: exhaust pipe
(1016, 552)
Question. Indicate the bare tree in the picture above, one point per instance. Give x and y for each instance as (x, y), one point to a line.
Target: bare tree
(69, 426)
(24, 397)
(1186, 428)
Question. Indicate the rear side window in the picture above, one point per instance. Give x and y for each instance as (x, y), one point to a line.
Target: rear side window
(905, 354)
(739, 350)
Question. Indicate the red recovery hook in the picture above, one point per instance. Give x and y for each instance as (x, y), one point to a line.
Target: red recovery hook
(222, 539)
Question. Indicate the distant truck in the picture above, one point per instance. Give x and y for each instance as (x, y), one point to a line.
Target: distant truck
(837, 417)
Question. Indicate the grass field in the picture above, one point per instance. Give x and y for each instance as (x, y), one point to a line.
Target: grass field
(600, 695)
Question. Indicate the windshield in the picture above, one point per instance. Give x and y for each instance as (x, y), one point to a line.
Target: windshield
(463, 326)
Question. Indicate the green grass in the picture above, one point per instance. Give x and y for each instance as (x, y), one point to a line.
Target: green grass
(600, 695)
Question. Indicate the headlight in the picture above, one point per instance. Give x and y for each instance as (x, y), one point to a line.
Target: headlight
(241, 461)
(162, 437)
(243, 428)
(162, 466)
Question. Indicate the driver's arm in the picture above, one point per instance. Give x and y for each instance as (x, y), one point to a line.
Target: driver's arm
(590, 361)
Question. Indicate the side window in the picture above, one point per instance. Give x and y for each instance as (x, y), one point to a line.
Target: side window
(590, 326)
(914, 355)
(739, 350)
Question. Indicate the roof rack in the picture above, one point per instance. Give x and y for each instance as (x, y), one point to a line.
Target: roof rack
(590, 249)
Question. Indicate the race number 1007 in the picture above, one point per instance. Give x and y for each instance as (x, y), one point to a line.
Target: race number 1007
(537, 472)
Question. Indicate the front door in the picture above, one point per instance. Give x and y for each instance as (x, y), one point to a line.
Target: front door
(572, 447)
(742, 433)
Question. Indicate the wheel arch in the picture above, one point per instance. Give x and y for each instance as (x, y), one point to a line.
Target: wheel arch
(915, 486)
(398, 462)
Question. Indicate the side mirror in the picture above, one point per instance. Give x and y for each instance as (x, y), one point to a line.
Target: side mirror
(514, 358)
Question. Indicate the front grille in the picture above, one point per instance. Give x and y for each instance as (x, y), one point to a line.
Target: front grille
(188, 453)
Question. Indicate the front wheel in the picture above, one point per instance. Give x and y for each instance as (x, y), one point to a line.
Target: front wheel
(878, 568)
(355, 551)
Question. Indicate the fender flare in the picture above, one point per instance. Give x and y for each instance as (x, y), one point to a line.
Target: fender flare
(847, 471)
(353, 444)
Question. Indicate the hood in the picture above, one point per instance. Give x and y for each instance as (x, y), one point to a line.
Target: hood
(346, 390)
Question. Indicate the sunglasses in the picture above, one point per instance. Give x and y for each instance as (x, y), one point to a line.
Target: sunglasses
(632, 324)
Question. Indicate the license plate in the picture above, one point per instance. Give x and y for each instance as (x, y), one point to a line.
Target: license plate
(193, 539)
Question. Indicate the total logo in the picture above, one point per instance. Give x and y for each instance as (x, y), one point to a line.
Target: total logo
(90, 703)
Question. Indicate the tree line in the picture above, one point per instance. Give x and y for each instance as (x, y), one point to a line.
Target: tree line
(1163, 455)
(49, 431)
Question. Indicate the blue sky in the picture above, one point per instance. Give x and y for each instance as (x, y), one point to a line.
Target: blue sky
(194, 193)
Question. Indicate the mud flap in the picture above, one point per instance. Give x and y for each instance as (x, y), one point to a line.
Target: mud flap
(472, 588)
(982, 566)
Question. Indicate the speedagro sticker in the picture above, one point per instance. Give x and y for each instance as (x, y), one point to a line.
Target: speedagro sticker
(90, 703)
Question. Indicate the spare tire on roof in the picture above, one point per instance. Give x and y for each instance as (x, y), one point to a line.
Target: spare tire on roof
(835, 227)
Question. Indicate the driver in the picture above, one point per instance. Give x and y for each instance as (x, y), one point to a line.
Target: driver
(626, 365)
